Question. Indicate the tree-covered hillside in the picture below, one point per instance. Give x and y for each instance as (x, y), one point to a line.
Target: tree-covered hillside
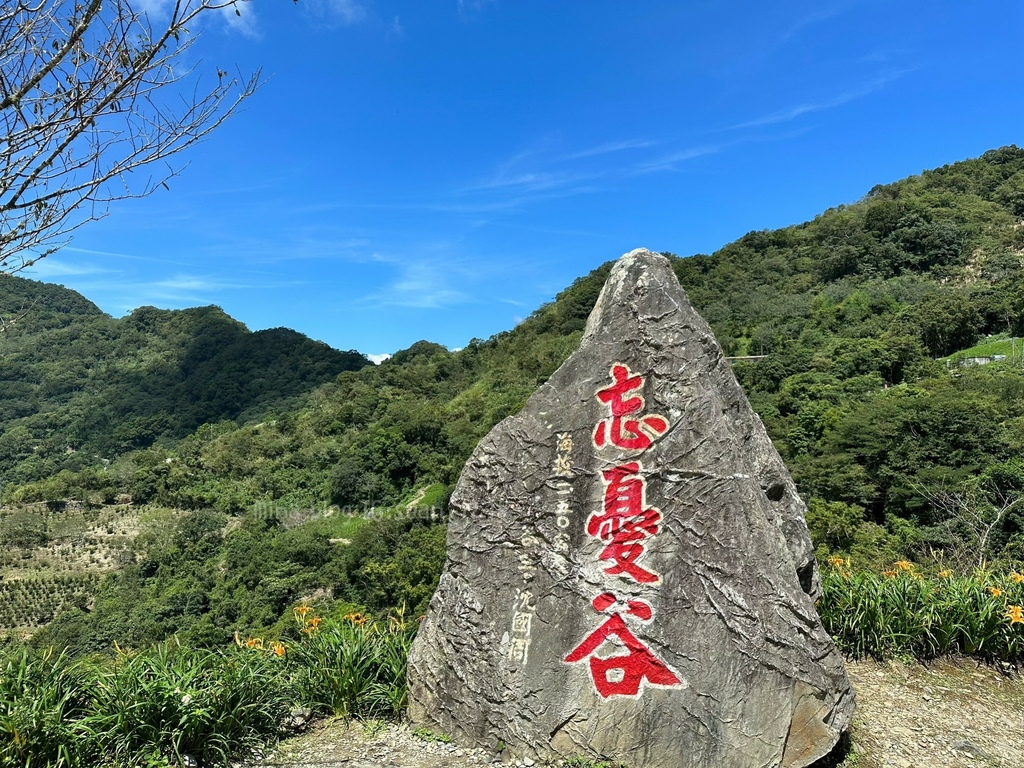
(899, 449)
(79, 388)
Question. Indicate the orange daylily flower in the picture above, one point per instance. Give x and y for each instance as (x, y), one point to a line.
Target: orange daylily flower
(1015, 614)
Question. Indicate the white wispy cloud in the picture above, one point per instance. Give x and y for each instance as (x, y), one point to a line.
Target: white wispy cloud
(424, 286)
(815, 17)
(546, 172)
(542, 169)
(241, 17)
(672, 160)
(445, 204)
(426, 277)
(339, 12)
(55, 267)
(770, 42)
(605, 149)
(125, 291)
(378, 359)
(191, 284)
(178, 290)
(301, 247)
(792, 113)
(536, 181)
(533, 172)
(114, 255)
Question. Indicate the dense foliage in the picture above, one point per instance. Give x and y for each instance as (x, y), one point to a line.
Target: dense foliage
(903, 612)
(171, 705)
(79, 388)
(864, 316)
(204, 585)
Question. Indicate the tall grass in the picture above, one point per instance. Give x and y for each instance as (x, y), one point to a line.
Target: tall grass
(903, 612)
(174, 706)
(43, 698)
(353, 667)
(171, 704)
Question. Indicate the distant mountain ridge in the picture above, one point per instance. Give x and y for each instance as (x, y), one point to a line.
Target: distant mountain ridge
(40, 305)
(863, 297)
(75, 380)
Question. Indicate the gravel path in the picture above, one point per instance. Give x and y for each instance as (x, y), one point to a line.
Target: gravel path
(944, 715)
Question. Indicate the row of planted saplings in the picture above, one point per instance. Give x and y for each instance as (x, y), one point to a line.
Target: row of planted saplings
(34, 601)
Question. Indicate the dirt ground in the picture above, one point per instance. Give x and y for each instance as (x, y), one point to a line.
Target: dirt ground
(944, 715)
(949, 714)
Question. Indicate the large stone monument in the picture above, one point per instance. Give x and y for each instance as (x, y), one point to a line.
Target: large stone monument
(629, 572)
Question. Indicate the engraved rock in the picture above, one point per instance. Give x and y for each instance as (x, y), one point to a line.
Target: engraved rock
(629, 573)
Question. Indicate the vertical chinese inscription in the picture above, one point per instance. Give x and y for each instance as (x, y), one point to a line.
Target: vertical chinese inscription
(618, 429)
(626, 525)
(525, 607)
(522, 625)
(563, 490)
(625, 522)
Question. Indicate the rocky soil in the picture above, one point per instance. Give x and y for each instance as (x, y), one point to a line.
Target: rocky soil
(944, 715)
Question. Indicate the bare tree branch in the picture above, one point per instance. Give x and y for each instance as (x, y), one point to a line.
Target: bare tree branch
(92, 92)
(970, 512)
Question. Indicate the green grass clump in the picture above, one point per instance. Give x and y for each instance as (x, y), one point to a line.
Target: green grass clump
(999, 344)
(170, 701)
(352, 667)
(429, 736)
(172, 705)
(903, 612)
(43, 699)
(579, 761)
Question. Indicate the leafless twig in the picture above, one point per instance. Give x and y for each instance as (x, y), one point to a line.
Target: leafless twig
(91, 92)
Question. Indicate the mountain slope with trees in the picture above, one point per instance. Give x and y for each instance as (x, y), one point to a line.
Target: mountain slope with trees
(80, 388)
(900, 451)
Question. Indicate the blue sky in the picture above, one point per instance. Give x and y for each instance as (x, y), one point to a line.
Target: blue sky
(438, 169)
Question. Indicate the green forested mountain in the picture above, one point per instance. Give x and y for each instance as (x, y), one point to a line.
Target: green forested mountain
(862, 316)
(79, 388)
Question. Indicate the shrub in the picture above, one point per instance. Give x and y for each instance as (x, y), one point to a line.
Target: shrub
(352, 667)
(903, 612)
(42, 700)
(169, 702)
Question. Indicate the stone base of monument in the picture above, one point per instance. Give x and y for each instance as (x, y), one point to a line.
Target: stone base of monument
(629, 573)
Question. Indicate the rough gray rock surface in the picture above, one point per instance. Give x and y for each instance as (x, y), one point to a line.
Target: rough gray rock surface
(632, 579)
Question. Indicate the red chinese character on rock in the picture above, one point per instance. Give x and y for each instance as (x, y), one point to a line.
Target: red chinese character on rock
(622, 675)
(631, 434)
(625, 523)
